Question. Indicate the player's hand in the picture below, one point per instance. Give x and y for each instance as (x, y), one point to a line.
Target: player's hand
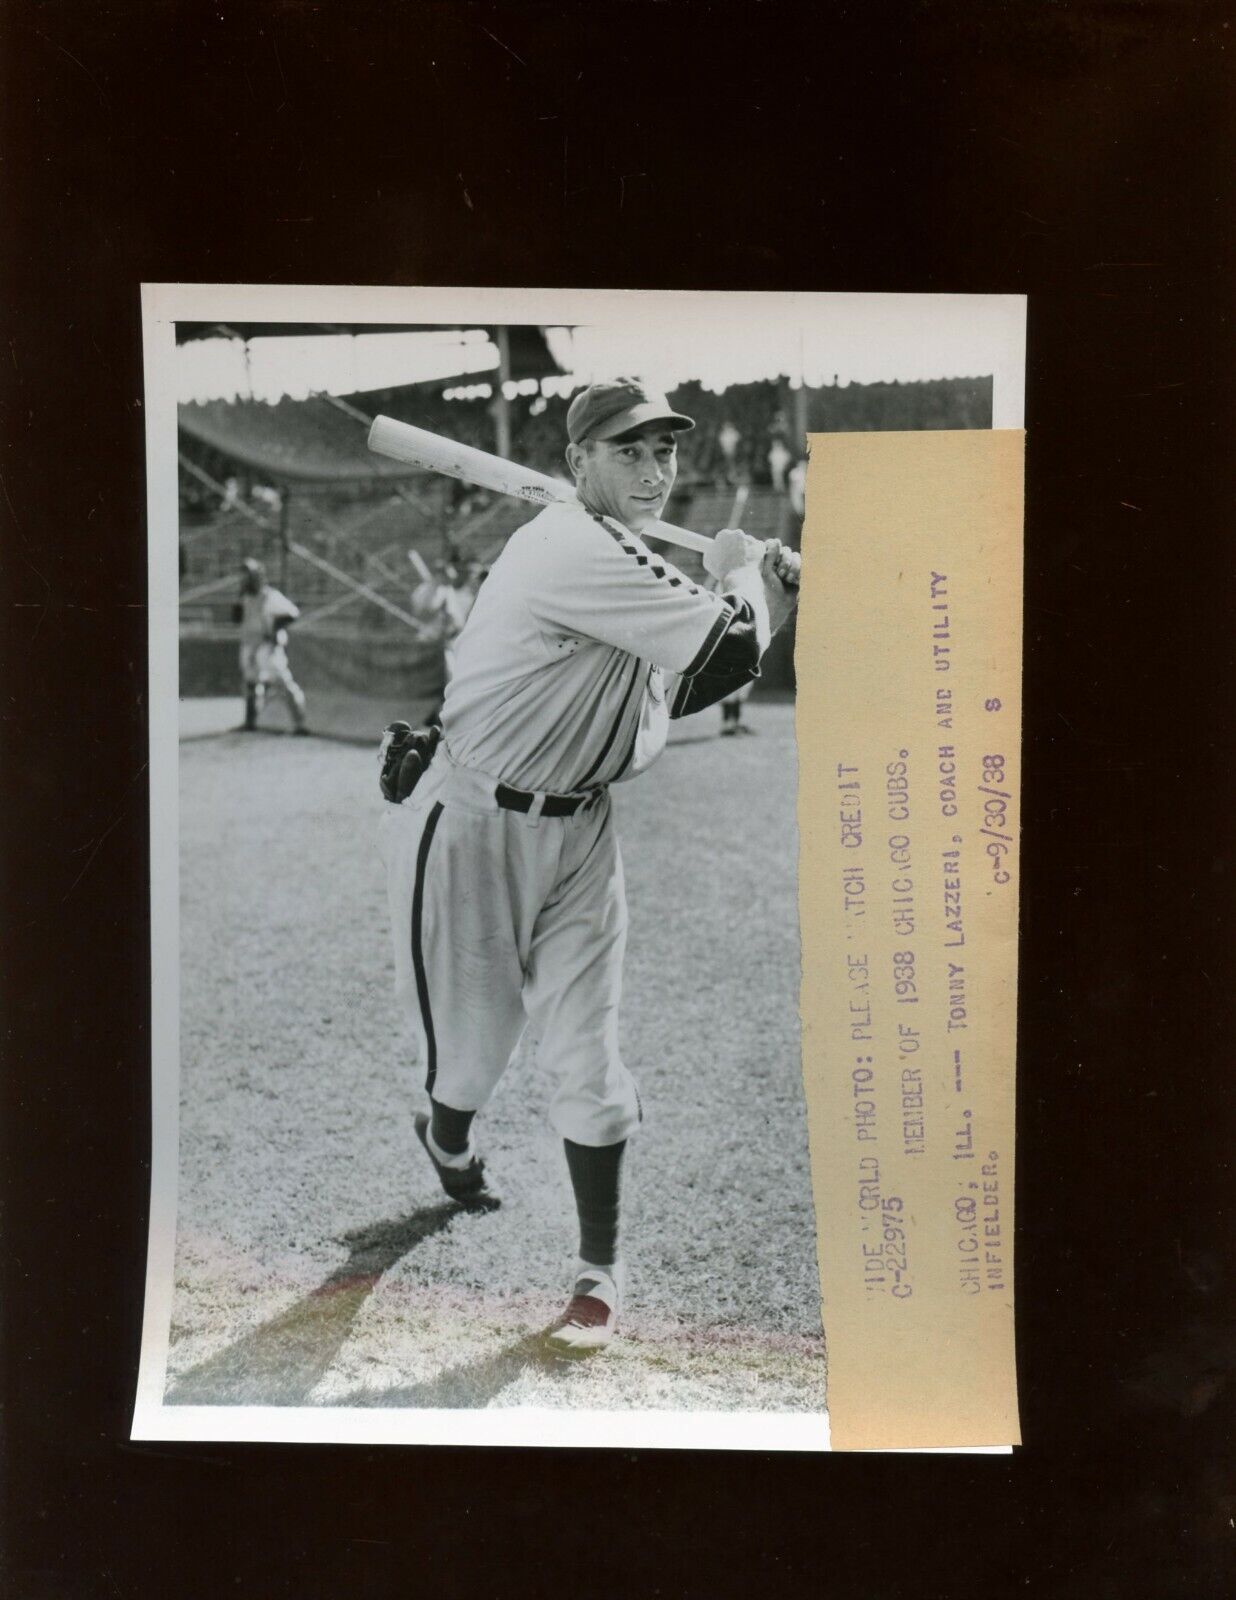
(731, 549)
(779, 569)
(782, 562)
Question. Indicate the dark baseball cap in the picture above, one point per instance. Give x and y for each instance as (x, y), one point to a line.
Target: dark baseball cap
(604, 410)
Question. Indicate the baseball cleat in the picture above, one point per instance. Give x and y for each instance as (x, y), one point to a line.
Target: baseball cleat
(587, 1324)
(467, 1186)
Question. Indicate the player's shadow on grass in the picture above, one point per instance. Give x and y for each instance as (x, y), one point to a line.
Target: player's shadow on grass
(475, 1384)
(279, 1363)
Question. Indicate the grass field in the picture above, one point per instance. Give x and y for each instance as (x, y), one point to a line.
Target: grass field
(317, 1262)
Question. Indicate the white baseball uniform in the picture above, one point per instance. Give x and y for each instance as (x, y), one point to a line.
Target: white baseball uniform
(504, 874)
(263, 644)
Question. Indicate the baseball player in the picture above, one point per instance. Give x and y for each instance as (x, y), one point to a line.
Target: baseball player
(731, 713)
(443, 606)
(264, 618)
(504, 874)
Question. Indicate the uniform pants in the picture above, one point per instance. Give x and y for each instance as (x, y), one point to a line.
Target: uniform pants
(264, 667)
(501, 920)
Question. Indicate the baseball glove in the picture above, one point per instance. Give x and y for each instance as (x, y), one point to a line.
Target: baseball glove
(403, 757)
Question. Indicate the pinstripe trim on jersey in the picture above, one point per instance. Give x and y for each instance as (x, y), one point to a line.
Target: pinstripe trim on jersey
(680, 697)
(676, 580)
(613, 732)
(635, 736)
(715, 634)
(418, 950)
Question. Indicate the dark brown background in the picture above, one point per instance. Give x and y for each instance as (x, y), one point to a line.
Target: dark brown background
(1077, 153)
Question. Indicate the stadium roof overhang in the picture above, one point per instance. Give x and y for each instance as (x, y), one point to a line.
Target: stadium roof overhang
(294, 442)
(530, 356)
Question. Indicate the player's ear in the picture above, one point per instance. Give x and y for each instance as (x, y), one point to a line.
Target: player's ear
(575, 454)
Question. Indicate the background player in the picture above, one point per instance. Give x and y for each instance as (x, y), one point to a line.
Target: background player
(265, 615)
(504, 874)
(731, 712)
(442, 605)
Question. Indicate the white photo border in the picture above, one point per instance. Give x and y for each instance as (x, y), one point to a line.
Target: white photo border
(992, 325)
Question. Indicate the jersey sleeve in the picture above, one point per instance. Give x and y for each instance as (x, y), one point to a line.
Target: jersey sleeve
(598, 581)
(735, 662)
(279, 608)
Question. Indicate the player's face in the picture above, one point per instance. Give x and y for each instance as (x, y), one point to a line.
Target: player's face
(630, 477)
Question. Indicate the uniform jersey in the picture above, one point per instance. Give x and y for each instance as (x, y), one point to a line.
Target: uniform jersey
(263, 651)
(441, 608)
(560, 680)
(260, 614)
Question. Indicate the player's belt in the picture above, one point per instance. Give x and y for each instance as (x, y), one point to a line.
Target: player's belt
(556, 805)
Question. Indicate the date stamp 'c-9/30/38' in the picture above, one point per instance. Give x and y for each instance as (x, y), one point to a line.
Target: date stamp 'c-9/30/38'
(909, 732)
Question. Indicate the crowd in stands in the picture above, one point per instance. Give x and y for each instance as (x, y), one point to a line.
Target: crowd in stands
(736, 433)
(741, 435)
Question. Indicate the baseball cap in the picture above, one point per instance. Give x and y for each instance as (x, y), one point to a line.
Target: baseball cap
(604, 410)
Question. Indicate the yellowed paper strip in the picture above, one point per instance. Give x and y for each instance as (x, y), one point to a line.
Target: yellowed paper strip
(909, 733)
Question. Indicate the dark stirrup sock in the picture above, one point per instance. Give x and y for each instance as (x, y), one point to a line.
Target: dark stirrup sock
(450, 1128)
(596, 1177)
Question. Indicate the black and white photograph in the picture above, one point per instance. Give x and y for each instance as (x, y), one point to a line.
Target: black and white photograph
(478, 1094)
(341, 1259)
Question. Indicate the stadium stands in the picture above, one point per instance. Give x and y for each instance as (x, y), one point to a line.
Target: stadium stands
(271, 481)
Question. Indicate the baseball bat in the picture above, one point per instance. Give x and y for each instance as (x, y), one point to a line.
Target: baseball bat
(422, 571)
(739, 506)
(432, 451)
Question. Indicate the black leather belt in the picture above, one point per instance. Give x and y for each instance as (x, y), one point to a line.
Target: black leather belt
(556, 805)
